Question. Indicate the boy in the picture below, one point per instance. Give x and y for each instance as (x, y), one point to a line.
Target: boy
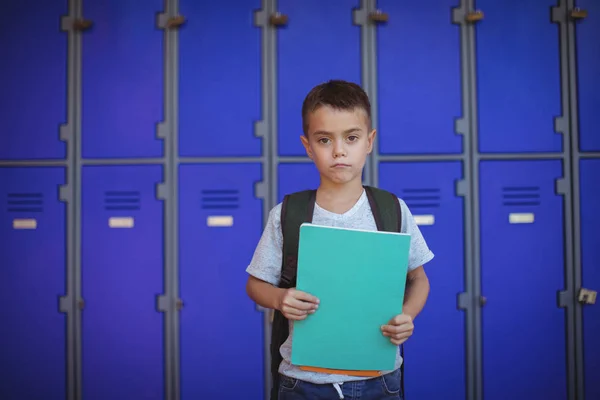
(338, 137)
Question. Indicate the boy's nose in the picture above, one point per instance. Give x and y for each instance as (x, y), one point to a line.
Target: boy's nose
(339, 150)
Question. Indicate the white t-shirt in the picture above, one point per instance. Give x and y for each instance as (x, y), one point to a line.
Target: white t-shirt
(266, 265)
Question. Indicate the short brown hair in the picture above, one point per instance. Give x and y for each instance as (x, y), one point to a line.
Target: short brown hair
(337, 94)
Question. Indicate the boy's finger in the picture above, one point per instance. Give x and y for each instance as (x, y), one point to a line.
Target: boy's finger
(302, 305)
(306, 297)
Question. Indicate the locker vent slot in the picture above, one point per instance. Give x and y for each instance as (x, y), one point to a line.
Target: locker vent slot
(121, 200)
(421, 197)
(25, 202)
(520, 196)
(220, 199)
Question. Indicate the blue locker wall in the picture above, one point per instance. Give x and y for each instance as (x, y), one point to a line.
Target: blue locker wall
(436, 351)
(221, 329)
(319, 43)
(32, 278)
(522, 269)
(588, 78)
(296, 177)
(590, 248)
(122, 273)
(419, 91)
(33, 79)
(518, 77)
(122, 79)
(220, 75)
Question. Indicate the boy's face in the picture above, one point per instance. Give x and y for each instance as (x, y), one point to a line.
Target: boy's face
(338, 142)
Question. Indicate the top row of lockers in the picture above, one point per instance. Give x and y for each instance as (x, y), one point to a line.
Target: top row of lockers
(220, 81)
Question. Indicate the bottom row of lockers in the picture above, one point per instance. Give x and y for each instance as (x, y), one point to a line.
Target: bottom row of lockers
(221, 331)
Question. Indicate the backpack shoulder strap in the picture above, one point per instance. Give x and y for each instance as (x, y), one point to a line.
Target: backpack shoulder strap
(386, 209)
(296, 209)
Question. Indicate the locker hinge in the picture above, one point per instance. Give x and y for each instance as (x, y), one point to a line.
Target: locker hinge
(165, 21)
(587, 296)
(163, 304)
(261, 129)
(462, 301)
(563, 299)
(461, 187)
(64, 304)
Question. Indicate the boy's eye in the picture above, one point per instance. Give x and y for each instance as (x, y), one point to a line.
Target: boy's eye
(353, 138)
(323, 140)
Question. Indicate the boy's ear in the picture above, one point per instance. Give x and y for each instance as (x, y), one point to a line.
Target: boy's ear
(306, 145)
(370, 140)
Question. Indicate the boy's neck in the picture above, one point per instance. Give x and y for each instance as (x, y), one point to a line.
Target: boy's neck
(339, 198)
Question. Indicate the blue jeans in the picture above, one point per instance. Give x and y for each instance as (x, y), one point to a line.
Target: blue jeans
(382, 387)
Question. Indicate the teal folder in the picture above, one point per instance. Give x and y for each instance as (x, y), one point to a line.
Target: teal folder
(359, 277)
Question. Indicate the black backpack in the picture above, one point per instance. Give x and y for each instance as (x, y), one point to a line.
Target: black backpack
(296, 209)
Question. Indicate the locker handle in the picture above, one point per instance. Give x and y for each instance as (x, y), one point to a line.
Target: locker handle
(587, 296)
(474, 16)
(175, 22)
(578, 14)
(379, 16)
(278, 19)
(82, 24)
(482, 300)
(179, 305)
(81, 304)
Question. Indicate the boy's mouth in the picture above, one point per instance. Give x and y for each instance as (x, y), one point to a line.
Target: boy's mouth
(340, 165)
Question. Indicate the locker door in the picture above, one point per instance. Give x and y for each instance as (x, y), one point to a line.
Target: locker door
(33, 80)
(588, 65)
(411, 119)
(122, 78)
(522, 269)
(590, 247)
(296, 177)
(122, 273)
(221, 330)
(437, 346)
(319, 43)
(518, 77)
(220, 79)
(32, 278)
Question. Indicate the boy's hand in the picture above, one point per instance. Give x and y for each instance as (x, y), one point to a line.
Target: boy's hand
(297, 305)
(399, 329)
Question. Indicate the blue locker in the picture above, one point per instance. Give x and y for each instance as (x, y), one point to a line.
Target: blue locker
(122, 79)
(34, 79)
(518, 77)
(319, 43)
(590, 249)
(588, 65)
(419, 91)
(220, 87)
(522, 269)
(437, 348)
(122, 273)
(221, 328)
(32, 278)
(296, 177)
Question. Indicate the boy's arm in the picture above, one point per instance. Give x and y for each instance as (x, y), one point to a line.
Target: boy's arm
(417, 291)
(263, 293)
